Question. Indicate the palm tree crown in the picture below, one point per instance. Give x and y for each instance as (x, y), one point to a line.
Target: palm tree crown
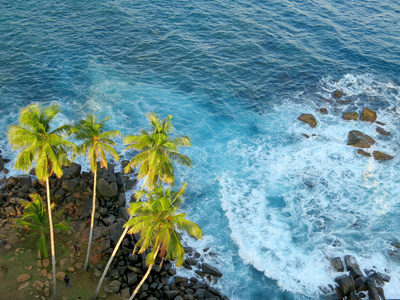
(158, 220)
(38, 143)
(96, 142)
(156, 151)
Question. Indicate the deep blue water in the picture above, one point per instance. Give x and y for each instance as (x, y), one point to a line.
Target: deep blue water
(236, 75)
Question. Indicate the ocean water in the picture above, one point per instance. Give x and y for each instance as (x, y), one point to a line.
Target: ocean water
(236, 75)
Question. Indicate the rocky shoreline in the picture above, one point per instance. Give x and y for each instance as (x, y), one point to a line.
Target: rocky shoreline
(72, 193)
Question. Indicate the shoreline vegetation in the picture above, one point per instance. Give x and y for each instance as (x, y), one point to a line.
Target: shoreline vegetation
(153, 220)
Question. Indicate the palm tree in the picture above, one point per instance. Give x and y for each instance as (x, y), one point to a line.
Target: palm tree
(157, 221)
(156, 152)
(45, 147)
(36, 219)
(95, 146)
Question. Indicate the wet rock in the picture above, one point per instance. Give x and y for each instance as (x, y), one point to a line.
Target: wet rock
(368, 115)
(207, 269)
(373, 293)
(323, 111)
(306, 135)
(382, 131)
(361, 284)
(350, 116)
(337, 264)
(337, 94)
(363, 153)
(345, 101)
(356, 272)
(309, 119)
(347, 284)
(350, 262)
(382, 156)
(360, 140)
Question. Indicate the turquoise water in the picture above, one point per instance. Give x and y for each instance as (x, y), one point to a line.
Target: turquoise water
(235, 76)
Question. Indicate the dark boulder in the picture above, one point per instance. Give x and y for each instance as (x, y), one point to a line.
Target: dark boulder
(382, 156)
(337, 264)
(70, 185)
(24, 179)
(115, 231)
(361, 284)
(207, 269)
(71, 171)
(309, 119)
(350, 262)
(368, 115)
(360, 140)
(356, 272)
(106, 189)
(347, 284)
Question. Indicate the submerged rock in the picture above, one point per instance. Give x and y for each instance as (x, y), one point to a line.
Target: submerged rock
(309, 119)
(323, 111)
(368, 115)
(337, 94)
(360, 140)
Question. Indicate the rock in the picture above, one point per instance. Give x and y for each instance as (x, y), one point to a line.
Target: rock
(363, 153)
(171, 294)
(360, 140)
(382, 131)
(345, 101)
(356, 272)
(337, 94)
(347, 284)
(382, 156)
(309, 119)
(106, 189)
(323, 111)
(24, 285)
(132, 278)
(337, 264)
(115, 231)
(123, 213)
(179, 279)
(23, 277)
(191, 261)
(24, 179)
(368, 115)
(10, 211)
(350, 116)
(63, 263)
(361, 284)
(79, 265)
(109, 220)
(73, 170)
(207, 269)
(70, 185)
(373, 293)
(45, 262)
(114, 285)
(125, 293)
(97, 272)
(350, 262)
(60, 276)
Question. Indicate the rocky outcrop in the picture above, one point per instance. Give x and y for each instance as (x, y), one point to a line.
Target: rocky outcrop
(350, 116)
(355, 283)
(368, 115)
(360, 140)
(309, 119)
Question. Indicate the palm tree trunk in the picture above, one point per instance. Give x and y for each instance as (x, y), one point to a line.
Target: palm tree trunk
(145, 275)
(53, 252)
(85, 267)
(109, 263)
